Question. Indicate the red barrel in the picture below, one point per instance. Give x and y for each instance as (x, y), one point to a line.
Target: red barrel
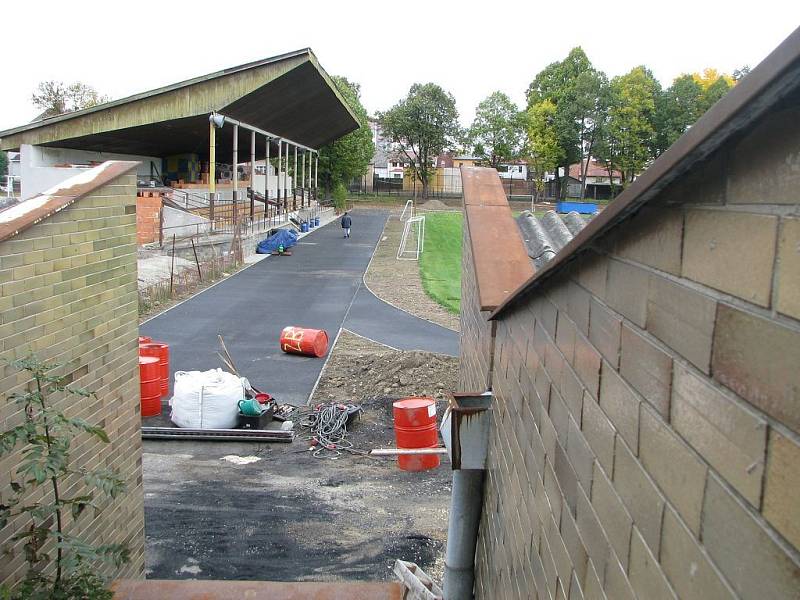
(160, 351)
(415, 427)
(309, 342)
(145, 339)
(150, 383)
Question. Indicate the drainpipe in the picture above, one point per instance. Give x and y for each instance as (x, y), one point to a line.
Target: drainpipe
(465, 431)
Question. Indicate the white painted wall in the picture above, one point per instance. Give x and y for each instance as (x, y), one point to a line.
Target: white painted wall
(38, 173)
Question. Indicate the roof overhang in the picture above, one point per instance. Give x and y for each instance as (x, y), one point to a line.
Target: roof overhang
(290, 95)
(768, 86)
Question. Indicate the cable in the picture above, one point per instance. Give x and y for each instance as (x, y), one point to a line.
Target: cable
(327, 425)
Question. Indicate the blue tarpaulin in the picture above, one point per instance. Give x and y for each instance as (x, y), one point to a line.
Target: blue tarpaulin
(285, 237)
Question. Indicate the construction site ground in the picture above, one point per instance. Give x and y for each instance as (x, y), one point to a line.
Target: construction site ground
(223, 510)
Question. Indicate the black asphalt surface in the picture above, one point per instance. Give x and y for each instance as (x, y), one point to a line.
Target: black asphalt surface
(319, 287)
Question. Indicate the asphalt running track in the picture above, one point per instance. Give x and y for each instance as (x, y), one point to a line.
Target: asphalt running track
(319, 287)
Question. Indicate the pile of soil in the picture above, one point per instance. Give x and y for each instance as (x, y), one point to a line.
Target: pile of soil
(362, 376)
(435, 205)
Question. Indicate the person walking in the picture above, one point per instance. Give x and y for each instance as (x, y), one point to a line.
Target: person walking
(346, 223)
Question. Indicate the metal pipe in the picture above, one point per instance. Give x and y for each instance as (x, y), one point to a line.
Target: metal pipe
(252, 174)
(259, 130)
(278, 174)
(462, 534)
(212, 158)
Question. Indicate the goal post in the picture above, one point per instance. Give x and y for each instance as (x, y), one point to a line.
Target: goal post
(413, 242)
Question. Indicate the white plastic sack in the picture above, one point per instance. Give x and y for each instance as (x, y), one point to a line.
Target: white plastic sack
(206, 399)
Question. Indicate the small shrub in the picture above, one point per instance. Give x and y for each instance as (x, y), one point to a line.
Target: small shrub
(340, 197)
(44, 438)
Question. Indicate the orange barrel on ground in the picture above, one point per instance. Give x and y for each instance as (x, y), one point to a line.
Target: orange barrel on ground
(308, 342)
(415, 427)
(160, 351)
(145, 339)
(150, 385)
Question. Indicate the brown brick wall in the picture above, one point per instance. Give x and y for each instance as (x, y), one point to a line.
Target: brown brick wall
(646, 431)
(69, 295)
(148, 219)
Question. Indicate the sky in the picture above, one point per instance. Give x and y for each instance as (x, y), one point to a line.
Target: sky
(470, 49)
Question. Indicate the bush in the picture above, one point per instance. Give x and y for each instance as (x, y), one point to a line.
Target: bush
(339, 197)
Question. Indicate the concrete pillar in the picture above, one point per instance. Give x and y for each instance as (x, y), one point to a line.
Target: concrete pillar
(235, 173)
(303, 185)
(294, 181)
(316, 174)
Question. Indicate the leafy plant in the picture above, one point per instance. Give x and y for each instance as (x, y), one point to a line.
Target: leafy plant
(45, 438)
(339, 197)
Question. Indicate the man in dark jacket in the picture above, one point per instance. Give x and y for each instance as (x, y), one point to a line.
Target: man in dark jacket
(346, 222)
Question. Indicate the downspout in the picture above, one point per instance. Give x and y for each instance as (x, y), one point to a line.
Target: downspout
(465, 431)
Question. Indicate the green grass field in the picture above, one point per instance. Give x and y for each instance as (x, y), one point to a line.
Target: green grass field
(440, 262)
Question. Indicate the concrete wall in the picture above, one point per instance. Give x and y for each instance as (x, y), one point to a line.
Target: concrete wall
(646, 434)
(38, 173)
(181, 224)
(69, 295)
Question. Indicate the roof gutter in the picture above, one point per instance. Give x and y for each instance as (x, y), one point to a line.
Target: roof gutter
(772, 80)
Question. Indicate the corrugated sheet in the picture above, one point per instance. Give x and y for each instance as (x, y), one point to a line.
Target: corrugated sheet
(548, 234)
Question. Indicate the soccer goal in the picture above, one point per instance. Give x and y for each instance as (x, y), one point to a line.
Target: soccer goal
(413, 242)
(408, 211)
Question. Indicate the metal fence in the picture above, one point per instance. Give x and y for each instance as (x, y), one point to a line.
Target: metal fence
(445, 183)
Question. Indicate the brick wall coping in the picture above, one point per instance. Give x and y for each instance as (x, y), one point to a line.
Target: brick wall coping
(33, 210)
(762, 90)
(498, 252)
(155, 589)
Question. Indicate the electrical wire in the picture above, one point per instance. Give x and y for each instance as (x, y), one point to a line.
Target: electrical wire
(327, 425)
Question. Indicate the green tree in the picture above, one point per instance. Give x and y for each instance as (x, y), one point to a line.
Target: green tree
(3, 164)
(714, 92)
(543, 151)
(577, 90)
(348, 157)
(496, 133)
(630, 137)
(55, 97)
(676, 110)
(422, 125)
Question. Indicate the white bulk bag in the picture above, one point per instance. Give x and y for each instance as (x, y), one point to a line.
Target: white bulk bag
(206, 399)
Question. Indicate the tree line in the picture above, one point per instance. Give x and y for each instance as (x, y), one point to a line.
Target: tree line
(574, 113)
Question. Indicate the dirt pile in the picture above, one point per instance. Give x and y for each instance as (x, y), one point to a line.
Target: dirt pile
(435, 205)
(390, 373)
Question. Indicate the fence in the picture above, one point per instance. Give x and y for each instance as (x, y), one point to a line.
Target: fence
(444, 183)
(185, 280)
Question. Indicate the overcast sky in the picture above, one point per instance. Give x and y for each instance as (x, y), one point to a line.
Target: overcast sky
(469, 49)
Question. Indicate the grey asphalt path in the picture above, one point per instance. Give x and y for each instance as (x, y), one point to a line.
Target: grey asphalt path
(373, 318)
(313, 288)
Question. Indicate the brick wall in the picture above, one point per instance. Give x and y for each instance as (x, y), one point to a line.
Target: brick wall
(646, 435)
(69, 295)
(148, 219)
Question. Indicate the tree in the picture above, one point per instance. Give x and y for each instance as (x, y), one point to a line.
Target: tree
(422, 125)
(630, 140)
(3, 164)
(348, 157)
(56, 98)
(543, 150)
(496, 132)
(714, 92)
(577, 90)
(676, 110)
